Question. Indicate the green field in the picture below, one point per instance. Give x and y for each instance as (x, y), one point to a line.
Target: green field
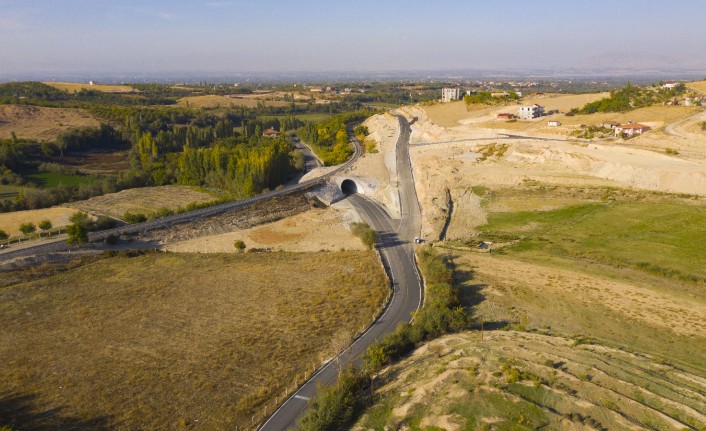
(657, 237)
(49, 179)
(314, 118)
(8, 192)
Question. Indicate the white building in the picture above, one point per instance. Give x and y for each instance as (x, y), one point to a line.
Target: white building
(449, 94)
(631, 129)
(554, 123)
(530, 111)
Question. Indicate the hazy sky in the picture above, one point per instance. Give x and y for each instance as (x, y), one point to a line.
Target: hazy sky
(364, 35)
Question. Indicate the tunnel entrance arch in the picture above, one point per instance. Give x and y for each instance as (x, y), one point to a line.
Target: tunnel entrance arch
(349, 187)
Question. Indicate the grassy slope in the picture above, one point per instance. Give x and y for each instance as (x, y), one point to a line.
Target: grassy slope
(663, 237)
(161, 340)
(519, 381)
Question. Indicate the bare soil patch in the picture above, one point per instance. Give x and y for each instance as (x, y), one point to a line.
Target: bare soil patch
(314, 230)
(44, 124)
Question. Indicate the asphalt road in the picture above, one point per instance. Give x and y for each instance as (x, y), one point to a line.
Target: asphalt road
(396, 246)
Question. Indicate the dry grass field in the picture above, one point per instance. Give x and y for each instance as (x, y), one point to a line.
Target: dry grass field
(176, 341)
(142, 200)
(699, 86)
(73, 87)
(449, 114)
(521, 381)
(44, 124)
(216, 101)
(58, 216)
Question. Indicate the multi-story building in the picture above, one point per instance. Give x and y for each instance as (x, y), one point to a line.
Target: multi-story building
(449, 94)
(530, 111)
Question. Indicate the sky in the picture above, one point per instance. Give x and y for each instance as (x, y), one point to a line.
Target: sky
(224, 36)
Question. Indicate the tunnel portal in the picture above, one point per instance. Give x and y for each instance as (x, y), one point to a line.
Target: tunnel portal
(349, 187)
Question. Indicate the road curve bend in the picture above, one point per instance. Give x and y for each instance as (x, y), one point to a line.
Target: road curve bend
(396, 247)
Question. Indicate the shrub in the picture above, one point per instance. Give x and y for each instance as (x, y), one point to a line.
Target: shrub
(239, 245)
(365, 233)
(78, 233)
(45, 225)
(27, 228)
(3, 235)
(133, 218)
(337, 405)
(105, 222)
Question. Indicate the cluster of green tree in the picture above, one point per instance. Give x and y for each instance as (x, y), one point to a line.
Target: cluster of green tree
(241, 169)
(336, 406)
(37, 93)
(632, 97)
(31, 197)
(487, 98)
(329, 139)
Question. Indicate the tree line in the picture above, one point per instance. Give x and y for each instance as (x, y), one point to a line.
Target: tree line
(632, 97)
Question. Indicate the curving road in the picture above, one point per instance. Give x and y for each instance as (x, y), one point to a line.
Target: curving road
(395, 243)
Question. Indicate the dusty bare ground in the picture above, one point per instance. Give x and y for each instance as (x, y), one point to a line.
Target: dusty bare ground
(44, 124)
(314, 230)
(58, 216)
(449, 161)
(73, 87)
(142, 200)
(381, 166)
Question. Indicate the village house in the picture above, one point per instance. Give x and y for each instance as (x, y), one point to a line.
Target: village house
(270, 133)
(610, 124)
(554, 123)
(530, 111)
(449, 94)
(632, 129)
(670, 84)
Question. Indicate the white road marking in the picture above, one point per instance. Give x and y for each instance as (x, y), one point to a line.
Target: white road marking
(302, 397)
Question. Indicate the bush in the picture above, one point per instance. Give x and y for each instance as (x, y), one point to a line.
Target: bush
(3, 235)
(27, 228)
(78, 233)
(365, 233)
(337, 405)
(239, 245)
(45, 225)
(105, 222)
(133, 218)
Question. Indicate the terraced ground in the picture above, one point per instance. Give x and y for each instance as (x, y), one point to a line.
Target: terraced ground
(518, 380)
